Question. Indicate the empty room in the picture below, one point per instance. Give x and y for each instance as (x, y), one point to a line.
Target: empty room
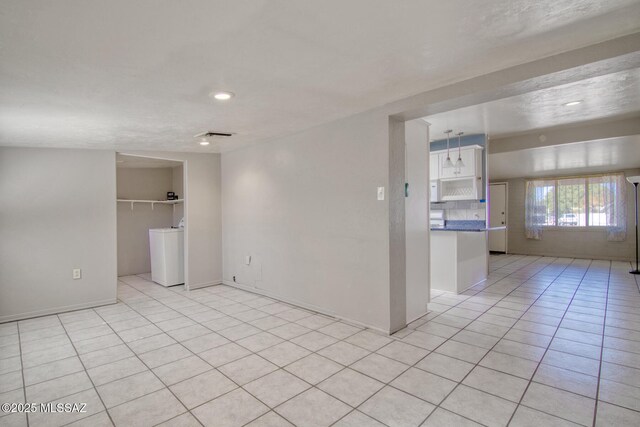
(321, 213)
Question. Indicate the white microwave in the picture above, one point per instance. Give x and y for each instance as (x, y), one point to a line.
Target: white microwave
(434, 191)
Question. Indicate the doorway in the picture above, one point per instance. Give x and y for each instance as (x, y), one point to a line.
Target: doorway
(498, 217)
(150, 225)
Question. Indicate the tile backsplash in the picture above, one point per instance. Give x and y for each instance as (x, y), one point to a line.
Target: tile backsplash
(462, 210)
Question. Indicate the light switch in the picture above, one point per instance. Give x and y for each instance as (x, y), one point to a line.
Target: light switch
(247, 259)
(77, 274)
(380, 193)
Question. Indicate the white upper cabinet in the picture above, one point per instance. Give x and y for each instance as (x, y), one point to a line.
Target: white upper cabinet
(472, 159)
(434, 167)
(465, 183)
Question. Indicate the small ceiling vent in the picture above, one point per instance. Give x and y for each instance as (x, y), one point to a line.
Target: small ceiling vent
(212, 134)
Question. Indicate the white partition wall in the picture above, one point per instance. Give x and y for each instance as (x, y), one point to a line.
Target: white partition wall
(417, 218)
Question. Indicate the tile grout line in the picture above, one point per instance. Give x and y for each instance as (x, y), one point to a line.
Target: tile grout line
(24, 384)
(492, 348)
(148, 368)
(436, 406)
(255, 353)
(87, 374)
(312, 386)
(604, 327)
(546, 350)
(315, 352)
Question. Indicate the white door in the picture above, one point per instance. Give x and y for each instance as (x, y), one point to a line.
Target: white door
(498, 217)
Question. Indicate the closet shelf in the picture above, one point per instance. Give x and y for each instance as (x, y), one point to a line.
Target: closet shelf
(153, 202)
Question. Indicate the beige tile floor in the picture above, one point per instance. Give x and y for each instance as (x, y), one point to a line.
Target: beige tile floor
(545, 341)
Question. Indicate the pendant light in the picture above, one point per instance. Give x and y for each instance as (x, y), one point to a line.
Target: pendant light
(448, 163)
(459, 162)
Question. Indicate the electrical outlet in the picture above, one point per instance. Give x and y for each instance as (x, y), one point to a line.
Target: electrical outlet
(380, 193)
(234, 278)
(77, 274)
(247, 260)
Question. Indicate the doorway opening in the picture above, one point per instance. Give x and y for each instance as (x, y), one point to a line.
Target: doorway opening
(498, 216)
(532, 130)
(150, 219)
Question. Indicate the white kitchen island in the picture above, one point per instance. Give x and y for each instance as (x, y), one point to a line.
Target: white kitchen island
(459, 259)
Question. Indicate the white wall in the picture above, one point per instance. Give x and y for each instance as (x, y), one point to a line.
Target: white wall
(567, 243)
(305, 208)
(202, 208)
(417, 218)
(58, 212)
(178, 188)
(134, 224)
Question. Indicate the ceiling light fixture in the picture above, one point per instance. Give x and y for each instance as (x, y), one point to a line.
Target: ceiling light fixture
(572, 103)
(204, 142)
(448, 163)
(223, 96)
(459, 162)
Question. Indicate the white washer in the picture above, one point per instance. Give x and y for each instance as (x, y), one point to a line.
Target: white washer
(167, 255)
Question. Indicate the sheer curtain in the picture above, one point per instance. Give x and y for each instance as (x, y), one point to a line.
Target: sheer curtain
(608, 205)
(539, 207)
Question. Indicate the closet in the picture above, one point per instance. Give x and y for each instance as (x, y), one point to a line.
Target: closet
(143, 187)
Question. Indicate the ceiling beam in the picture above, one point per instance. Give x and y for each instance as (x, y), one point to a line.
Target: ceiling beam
(593, 130)
(599, 59)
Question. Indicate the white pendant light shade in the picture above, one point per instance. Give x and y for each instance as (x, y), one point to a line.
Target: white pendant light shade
(448, 163)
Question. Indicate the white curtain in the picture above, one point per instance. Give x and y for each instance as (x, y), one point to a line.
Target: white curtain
(537, 209)
(603, 197)
(608, 192)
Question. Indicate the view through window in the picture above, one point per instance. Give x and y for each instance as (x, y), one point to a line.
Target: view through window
(589, 201)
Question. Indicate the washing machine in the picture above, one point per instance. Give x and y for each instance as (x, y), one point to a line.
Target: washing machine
(167, 255)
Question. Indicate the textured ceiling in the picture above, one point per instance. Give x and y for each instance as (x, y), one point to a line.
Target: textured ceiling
(137, 74)
(603, 97)
(566, 159)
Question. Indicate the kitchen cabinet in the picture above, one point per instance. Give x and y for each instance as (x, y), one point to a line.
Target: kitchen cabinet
(472, 159)
(434, 167)
(465, 183)
(469, 188)
(460, 261)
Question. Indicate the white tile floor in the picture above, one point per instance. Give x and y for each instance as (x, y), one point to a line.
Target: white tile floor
(544, 341)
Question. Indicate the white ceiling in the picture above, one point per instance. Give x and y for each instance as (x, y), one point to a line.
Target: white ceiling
(125, 161)
(609, 96)
(136, 74)
(581, 157)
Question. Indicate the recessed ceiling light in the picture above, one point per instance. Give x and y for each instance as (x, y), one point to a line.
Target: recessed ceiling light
(204, 142)
(572, 103)
(222, 96)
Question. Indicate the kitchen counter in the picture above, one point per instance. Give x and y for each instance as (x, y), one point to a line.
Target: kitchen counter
(459, 259)
(466, 225)
(467, 229)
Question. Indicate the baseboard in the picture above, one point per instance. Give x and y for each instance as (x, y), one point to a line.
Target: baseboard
(56, 310)
(564, 255)
(417, 317)
(304, 305)
(204, 285)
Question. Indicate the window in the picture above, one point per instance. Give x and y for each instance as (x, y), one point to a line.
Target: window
(590, 201)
